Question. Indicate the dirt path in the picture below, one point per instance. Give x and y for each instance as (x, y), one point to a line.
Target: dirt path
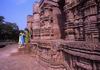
(19, 61)
(6, 51)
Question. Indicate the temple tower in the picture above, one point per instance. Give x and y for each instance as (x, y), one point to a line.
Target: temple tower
(49, 20)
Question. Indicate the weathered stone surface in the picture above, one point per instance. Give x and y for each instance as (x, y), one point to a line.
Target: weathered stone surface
(68, 33)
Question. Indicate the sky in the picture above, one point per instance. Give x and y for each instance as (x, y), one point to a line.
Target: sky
(16, 11)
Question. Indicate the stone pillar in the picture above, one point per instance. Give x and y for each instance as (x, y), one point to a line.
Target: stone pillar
(56, 29)
(29, 22)
(36, 22)
(94, 66)
(98, 17)
(90, 14)
(36, 26)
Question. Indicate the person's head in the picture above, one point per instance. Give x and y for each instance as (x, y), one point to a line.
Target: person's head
(26, 30)
(21, 32)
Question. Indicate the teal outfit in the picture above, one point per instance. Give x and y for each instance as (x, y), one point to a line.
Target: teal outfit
(21, 39)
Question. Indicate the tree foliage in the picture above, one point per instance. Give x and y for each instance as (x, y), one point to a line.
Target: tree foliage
(8, 30)
(1, 19)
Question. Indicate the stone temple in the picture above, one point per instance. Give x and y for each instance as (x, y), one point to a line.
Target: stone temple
(66, 33)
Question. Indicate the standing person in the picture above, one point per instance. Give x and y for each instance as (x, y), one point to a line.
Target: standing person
(27, 39)
(21, 40)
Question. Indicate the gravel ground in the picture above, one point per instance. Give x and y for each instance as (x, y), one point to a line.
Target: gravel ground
(19, 61)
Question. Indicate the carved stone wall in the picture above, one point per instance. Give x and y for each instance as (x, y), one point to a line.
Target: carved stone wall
(66, 33)
(49, 21)
(45, 21)
(73, 20)
(81, 22)
(34, 20)
(81, 58)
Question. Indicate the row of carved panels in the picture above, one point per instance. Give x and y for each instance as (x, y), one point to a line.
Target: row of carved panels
(87, 12)
(72, 3)
(78, 62)
(87, 20)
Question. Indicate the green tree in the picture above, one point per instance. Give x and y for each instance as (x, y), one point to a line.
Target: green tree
(8, 30)
(1, 19)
